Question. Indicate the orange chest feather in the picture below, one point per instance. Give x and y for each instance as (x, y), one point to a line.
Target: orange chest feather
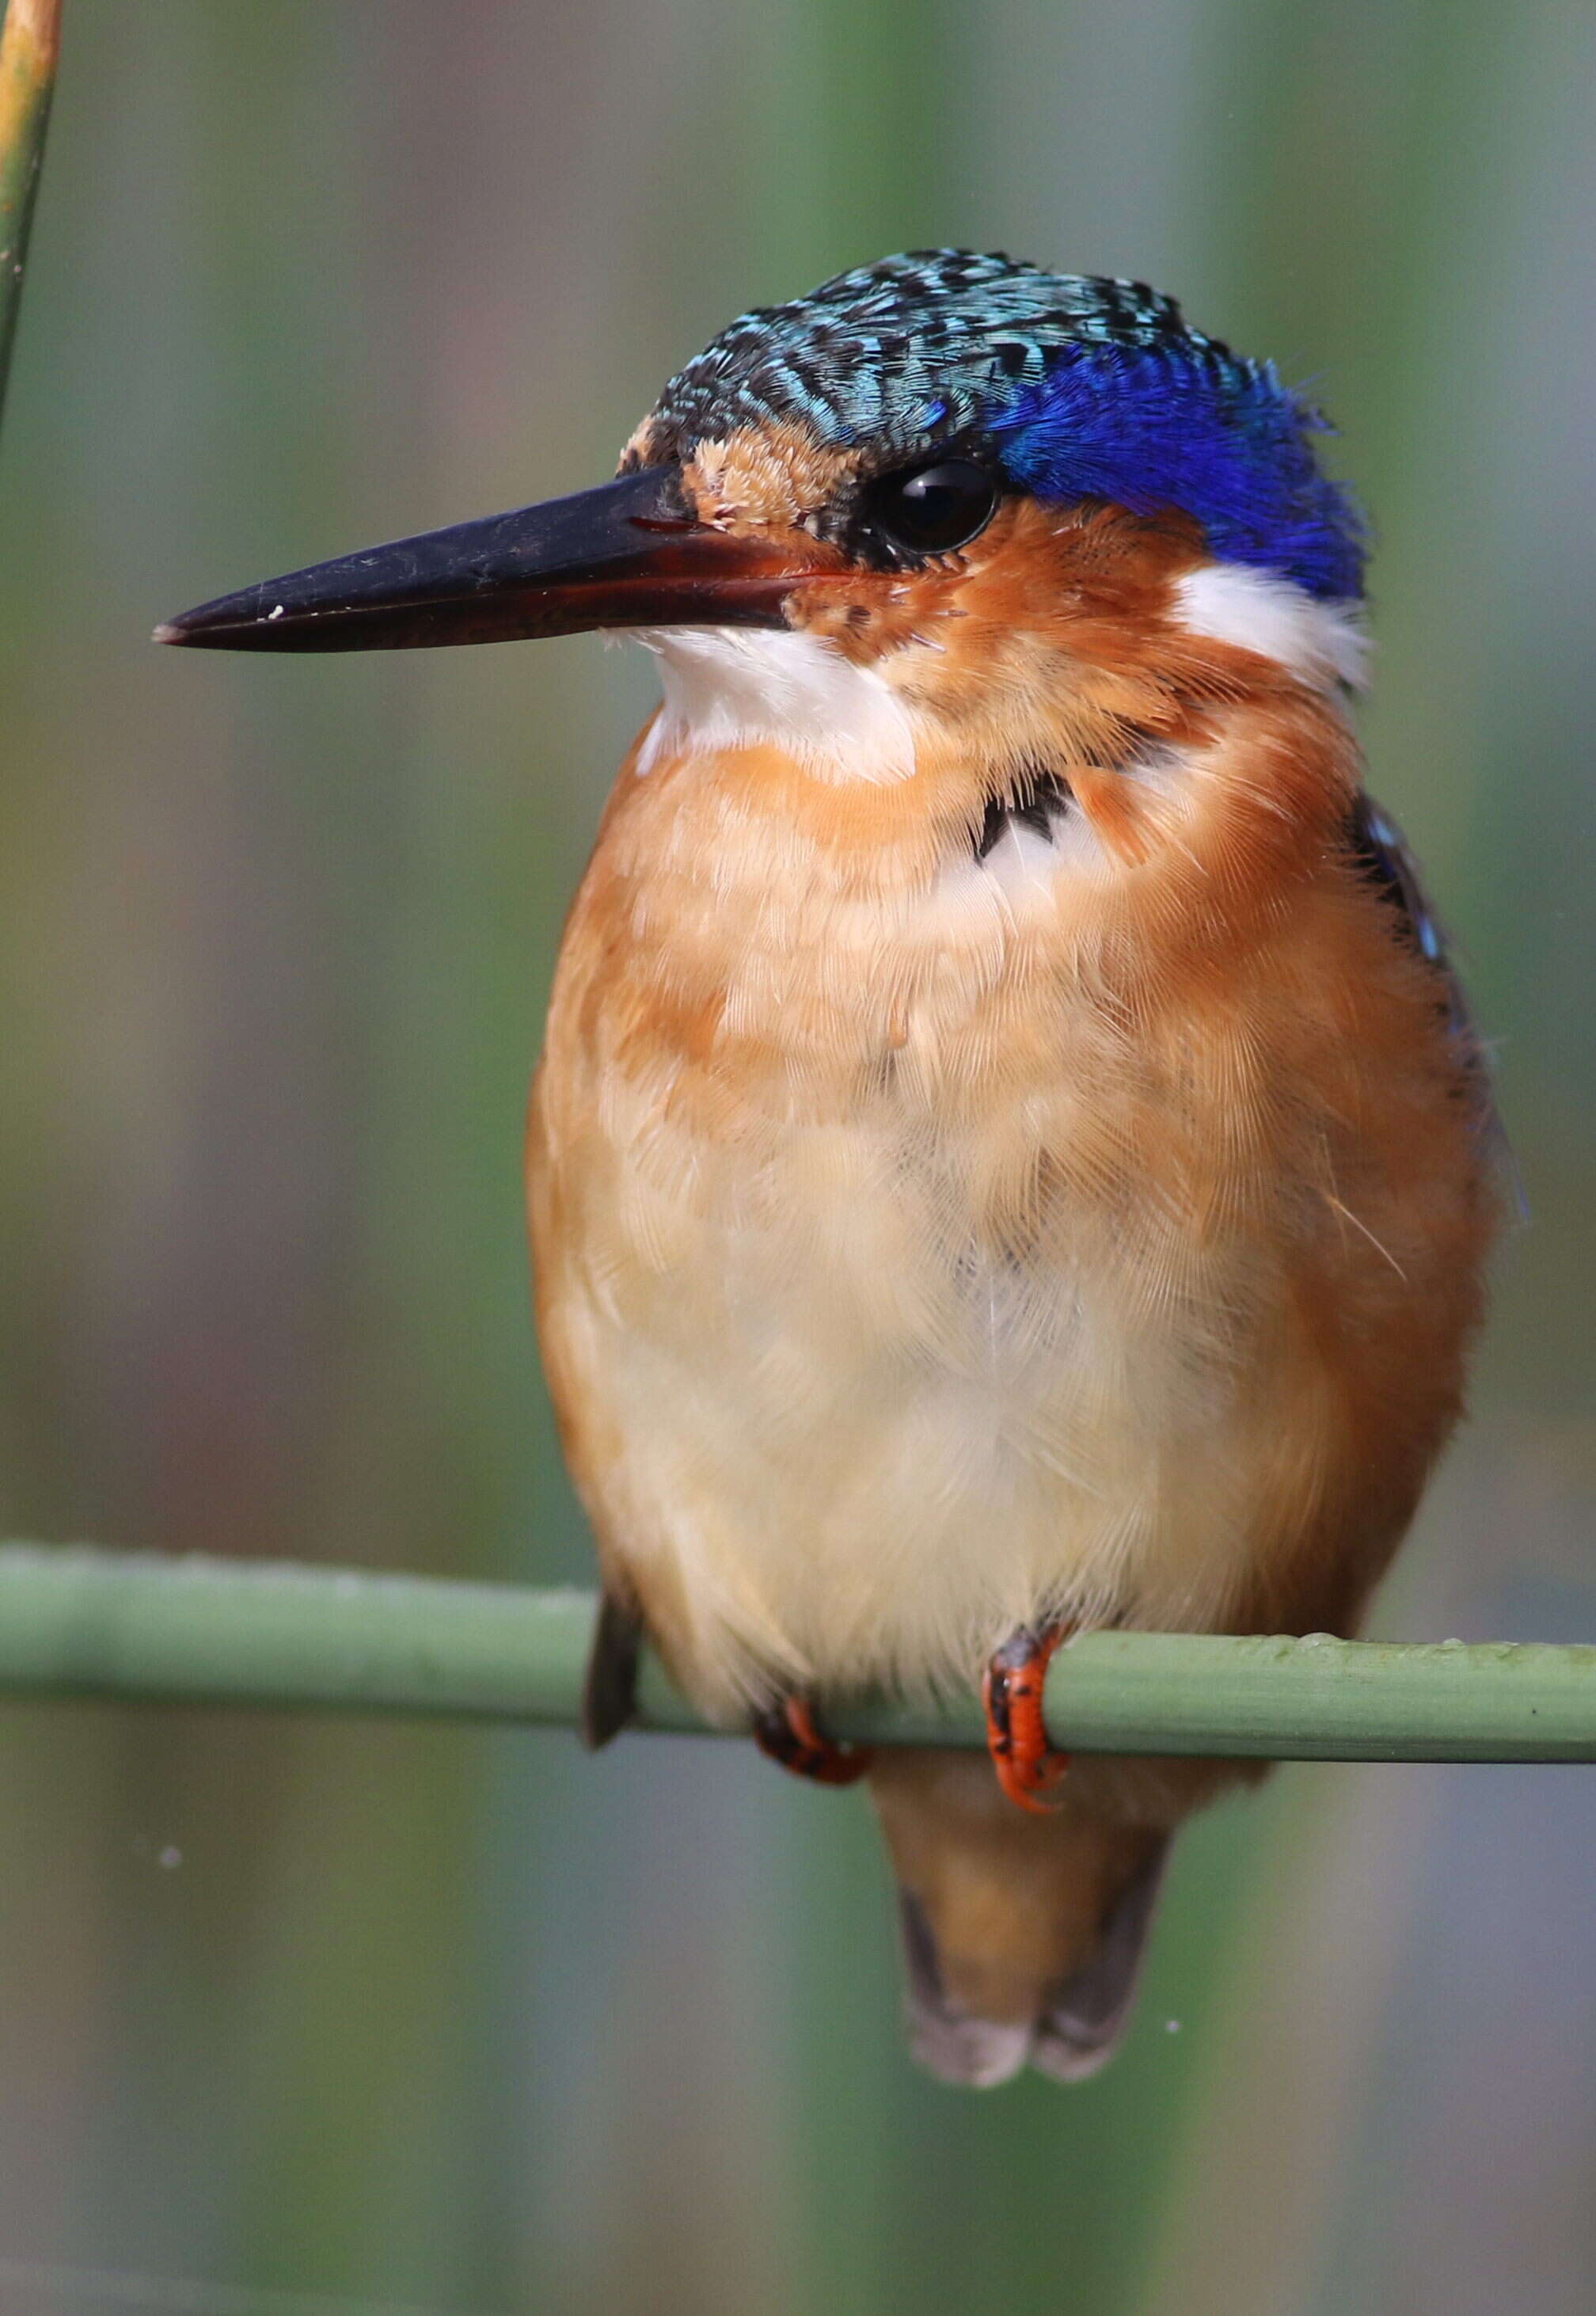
(1129, 1211)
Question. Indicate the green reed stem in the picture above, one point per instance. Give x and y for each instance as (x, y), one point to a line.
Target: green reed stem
(30, 41)
(77, 1623)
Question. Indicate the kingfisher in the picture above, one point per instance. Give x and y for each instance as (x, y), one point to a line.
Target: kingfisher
(1010, 1154)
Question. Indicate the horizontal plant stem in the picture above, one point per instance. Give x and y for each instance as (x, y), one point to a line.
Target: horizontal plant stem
(77, 1621)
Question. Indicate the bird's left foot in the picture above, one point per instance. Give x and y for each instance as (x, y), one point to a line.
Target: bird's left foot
(789, 1733)
(1022, 1753)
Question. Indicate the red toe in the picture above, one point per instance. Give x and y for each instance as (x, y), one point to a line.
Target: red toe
(789, 1733)
(1022, 1754)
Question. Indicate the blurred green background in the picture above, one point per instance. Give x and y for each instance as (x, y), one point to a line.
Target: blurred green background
(305, 2012)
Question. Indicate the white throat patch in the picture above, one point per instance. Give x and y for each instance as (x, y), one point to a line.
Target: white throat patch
(752, 687)
(1324, 644)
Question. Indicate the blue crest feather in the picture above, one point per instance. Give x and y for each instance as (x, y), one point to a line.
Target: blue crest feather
(1079, 387)
(1223, 440)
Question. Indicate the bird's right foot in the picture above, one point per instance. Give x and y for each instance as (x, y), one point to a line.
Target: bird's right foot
(1024, 1755)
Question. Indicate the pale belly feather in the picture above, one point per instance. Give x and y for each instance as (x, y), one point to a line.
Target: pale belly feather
(852, 1406)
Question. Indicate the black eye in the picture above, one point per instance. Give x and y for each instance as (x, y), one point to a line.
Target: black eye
(928, 510)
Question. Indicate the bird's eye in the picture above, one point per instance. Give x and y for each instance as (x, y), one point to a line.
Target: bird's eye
(930, 510)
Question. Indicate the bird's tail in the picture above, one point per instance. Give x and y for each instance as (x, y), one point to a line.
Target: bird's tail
(1022, 1935)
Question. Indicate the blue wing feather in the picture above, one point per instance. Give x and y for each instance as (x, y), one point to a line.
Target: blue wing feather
(1383, 858)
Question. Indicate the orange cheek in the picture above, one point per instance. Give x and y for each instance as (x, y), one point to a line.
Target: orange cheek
(864, 614)
(1091, 583)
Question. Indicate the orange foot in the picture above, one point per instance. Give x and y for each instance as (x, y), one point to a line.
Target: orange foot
(1016, 1733)
(789, 1733)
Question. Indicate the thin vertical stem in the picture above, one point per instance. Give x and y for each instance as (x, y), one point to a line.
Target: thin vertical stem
(29, 45)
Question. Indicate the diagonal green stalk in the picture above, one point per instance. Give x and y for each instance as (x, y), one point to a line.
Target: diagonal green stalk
(83, 1623)
(30, 41)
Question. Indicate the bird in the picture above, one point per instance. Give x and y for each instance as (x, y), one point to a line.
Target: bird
(1011, 1154)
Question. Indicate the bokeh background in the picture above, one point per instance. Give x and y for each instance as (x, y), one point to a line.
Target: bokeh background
(306, 2017)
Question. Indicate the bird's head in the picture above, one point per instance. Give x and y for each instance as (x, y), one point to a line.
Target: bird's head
(944, 498)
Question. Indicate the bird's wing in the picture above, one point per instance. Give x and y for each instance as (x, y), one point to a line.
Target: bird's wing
(1382, 856)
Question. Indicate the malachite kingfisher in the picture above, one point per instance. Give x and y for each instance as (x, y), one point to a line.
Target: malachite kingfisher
(1010, 1154)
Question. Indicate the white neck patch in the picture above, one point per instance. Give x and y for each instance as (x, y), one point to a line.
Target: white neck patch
(1324, 644)
(774, 687)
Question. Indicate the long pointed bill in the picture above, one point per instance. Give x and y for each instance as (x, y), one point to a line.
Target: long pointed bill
(626, 554)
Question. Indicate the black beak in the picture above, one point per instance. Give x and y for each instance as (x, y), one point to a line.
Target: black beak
(626, 554)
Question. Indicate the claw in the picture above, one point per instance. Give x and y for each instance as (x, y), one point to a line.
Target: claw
(788, 1734)
(1022, 1754)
